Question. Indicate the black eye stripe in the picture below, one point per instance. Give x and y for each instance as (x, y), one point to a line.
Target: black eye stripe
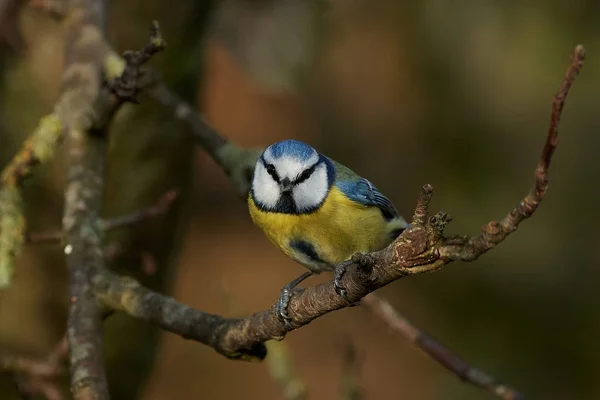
(305, 174)
(270, 170)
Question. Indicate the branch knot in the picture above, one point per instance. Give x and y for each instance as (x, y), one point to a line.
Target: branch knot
(127, 86)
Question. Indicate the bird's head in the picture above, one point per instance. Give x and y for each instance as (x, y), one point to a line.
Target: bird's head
(291, 177)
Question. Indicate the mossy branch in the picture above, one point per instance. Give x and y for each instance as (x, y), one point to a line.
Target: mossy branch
(38, 148)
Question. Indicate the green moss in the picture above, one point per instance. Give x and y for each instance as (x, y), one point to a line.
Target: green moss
(45, 137)
(12, 229)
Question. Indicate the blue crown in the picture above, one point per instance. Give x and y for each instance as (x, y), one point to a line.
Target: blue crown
(292, 148)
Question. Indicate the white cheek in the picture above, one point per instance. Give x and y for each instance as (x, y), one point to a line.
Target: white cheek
(266, 190)
(312, 191)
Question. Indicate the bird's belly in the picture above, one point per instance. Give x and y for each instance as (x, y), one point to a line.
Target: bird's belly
(328, 236)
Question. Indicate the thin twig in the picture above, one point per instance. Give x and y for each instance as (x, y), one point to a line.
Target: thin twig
(401, 325)
(467, 248)
(160, 208)
(127, 85)
(153, 211)
(206, 135)
(37, 377)
(29, 366)
(237, 162)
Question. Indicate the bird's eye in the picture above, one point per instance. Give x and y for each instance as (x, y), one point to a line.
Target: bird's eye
(271, 170)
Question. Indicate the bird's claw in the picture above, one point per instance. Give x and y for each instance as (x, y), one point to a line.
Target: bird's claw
(281, 307)
(340, 270)
(284, 300)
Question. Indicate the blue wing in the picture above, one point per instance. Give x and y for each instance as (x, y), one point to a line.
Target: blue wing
(363, 191)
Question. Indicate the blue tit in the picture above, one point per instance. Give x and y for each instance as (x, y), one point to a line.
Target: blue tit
(317, 211)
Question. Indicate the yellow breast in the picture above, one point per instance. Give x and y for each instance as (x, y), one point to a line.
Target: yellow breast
(336, 230)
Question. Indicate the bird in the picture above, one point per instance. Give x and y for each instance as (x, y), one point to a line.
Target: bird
(318, 212)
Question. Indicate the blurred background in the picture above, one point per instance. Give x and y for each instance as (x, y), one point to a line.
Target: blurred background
(456, 94)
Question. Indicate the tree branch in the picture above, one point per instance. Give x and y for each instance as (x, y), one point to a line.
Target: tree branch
(86, 140)
(30, 366)
(38, 148)
(34, 377)
(467, 248)
(384, 310)
(279, 363)
(155, 210)
(238, 163)
(85, 111)
(83, 194)
(421, 248)
(128, 295)
(161, 207)
(128, 84)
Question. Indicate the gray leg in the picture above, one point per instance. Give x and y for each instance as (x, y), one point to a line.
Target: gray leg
(284, 299)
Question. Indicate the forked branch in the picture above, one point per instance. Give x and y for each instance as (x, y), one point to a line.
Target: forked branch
(422, 247)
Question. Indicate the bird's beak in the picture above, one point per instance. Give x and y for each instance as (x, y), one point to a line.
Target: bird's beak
(285, 185)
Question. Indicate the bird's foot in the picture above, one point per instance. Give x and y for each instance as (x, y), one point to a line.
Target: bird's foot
(340, 270)
(284, 300)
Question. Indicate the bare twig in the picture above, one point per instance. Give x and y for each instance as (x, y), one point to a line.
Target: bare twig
(384, 310)
(29, 366)
(206, 135)
(29, 389)
(160, 208)
(238, 163)
(467, 248)
(127, 86)
(37, 377)
(44, 237)
(60, 352)
(155, 210)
